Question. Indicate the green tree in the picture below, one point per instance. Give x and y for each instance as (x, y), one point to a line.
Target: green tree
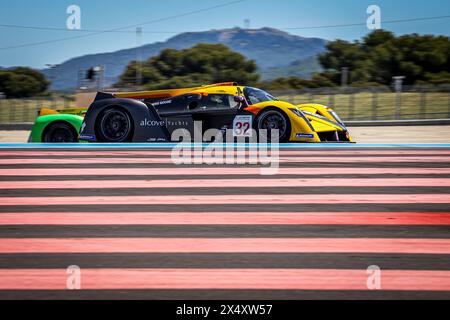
(376, 38)
(22, 82)
(342, 54)
(381, 55)
(201, 64)
(317, 81)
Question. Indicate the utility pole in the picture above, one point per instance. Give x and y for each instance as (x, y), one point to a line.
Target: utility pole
(138, 56)
(398, 86)
(101, 77)
(344, 77)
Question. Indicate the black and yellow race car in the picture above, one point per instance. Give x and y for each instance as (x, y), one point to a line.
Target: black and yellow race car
(154, 116)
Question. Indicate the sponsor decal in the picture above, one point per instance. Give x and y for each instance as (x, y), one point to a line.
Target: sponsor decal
(162, 123)
(176, 123)
(159, 103)
(88, 137)
(83, 126)
(152, 123)
(304, 135)
(242, 126)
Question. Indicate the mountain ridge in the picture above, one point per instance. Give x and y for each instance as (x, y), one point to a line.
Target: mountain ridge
(256, 44)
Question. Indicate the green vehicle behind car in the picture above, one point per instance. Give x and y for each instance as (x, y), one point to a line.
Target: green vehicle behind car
(57, 126)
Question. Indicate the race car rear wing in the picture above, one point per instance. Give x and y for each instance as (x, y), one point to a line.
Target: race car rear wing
(85, 99)
(161, 94)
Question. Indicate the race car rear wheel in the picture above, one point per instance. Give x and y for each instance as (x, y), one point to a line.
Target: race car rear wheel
(60, 132)
(114, 125)
(272, 119)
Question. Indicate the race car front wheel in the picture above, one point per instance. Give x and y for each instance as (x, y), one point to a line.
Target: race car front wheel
(115, 126)
(60, 132)
(274, 119)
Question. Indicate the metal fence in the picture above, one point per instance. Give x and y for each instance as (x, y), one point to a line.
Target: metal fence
(377, 103)
(26, 110)
(365, 104)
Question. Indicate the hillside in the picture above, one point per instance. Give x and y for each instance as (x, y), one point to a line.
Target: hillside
(270, 48)
(302, 68)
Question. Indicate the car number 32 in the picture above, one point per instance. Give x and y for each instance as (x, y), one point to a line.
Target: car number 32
(242, 126)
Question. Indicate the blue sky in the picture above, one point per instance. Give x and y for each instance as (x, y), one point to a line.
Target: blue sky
(104, 14)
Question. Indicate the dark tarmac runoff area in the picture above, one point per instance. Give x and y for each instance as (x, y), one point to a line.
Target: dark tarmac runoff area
(331, 222)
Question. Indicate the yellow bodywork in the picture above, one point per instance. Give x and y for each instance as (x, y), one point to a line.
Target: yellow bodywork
(321, 118)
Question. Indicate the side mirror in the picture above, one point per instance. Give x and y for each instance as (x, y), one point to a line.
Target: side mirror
(241, 100)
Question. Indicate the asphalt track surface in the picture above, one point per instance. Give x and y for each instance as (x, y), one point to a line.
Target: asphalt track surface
(141, 227)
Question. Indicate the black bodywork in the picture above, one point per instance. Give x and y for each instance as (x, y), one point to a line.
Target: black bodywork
(154, 120)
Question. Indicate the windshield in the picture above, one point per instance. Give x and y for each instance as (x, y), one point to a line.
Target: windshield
(255, 96)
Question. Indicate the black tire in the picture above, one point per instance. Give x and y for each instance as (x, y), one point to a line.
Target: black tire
(114, 125)
(273, 118)
(60, 132)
